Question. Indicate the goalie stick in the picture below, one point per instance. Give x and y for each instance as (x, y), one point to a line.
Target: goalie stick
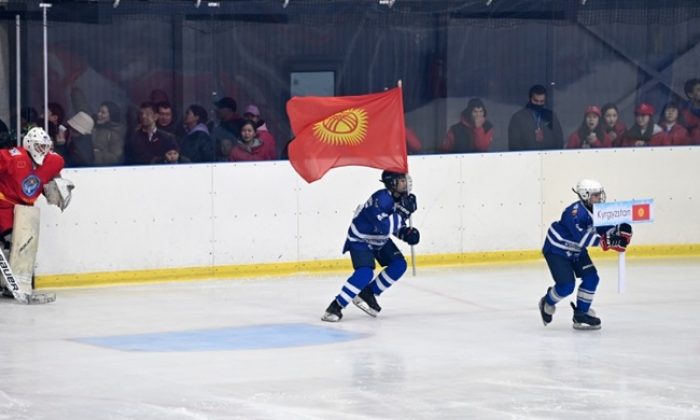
(19, 295)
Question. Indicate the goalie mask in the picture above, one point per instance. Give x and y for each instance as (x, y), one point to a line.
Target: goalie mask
(587, 188)
(38, 144)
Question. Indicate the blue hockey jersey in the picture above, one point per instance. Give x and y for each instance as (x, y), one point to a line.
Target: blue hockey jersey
(374, 222)
(573, 233)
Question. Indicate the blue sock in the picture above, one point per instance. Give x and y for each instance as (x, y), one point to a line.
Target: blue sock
(389, 275)
(352, 287)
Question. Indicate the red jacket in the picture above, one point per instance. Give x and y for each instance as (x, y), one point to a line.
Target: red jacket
(575, 141)
(692, 123)
(262, 151)
(654, 136)
(676, 136)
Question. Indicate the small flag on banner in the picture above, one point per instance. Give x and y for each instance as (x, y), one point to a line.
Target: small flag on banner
(640, 212)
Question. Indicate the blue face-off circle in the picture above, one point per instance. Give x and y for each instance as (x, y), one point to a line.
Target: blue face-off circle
(222, 339)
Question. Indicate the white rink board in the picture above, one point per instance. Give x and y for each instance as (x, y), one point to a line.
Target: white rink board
(160, 217)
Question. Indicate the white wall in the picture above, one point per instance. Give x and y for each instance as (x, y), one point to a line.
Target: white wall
(138, 218)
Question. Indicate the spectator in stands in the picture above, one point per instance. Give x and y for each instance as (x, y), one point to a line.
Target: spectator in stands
(224, 141)
(690, 114)
(590, 133)
(56, 117)
(147, 143)
(253, 113)
(472, 134)
(535, 127)
(172, 154)
(226, 114)
(166, 120)
(613, 127)
(79, 147)
(197, 144)
(674, 133)
(109, 135)
(644, 132)
(250, 147)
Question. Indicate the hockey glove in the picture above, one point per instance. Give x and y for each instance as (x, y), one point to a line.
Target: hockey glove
(625, 231)
(410, 235)
(406, 205)
(612, 240)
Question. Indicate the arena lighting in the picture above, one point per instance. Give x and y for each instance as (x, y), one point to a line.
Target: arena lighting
(388, 3)
(197, 3)
(285, 4)
(583, 2)
(488, 2)
(116, 3)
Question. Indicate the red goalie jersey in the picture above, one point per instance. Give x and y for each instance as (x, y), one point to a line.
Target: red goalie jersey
(21, 181)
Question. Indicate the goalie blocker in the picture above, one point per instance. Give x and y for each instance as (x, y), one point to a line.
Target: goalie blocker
(18, 272)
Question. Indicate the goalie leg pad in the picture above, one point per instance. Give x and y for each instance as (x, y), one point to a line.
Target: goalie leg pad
(25, 243)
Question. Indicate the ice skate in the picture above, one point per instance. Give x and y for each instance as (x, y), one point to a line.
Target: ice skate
(334, 312)
(546, 310)
(367, 302)
(585, 320)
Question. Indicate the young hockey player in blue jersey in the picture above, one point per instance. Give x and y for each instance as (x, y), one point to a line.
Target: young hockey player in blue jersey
(567, 257)
(385, 213)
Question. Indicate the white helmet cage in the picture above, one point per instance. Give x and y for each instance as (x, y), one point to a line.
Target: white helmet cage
(37, 143)
(585, 188)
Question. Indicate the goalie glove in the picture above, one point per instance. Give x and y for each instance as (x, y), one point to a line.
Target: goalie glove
(58, 192)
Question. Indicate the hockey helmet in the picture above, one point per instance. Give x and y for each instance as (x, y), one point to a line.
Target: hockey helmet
(37, 143)
(391, 179)
(585, 188)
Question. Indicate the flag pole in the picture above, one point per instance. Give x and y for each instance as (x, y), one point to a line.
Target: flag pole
(620, 273)
(410, 218)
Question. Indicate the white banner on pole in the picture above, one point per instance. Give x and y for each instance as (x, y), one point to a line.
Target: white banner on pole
(610, 214)
(633, 211)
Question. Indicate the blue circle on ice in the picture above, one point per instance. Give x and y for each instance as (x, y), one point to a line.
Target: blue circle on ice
(231, 338)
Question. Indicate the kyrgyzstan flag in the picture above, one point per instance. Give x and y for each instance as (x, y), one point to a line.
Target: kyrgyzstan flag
(365, 130)
(640, 212)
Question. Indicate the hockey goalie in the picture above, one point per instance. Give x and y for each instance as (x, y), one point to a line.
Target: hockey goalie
(25, 173)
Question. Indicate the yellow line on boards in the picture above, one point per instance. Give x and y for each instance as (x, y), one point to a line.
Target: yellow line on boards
(331, 266)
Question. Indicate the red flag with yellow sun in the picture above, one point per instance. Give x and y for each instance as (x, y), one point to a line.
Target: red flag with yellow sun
(365, 130)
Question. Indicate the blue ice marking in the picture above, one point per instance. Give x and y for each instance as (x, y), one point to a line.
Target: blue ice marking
(233, 338)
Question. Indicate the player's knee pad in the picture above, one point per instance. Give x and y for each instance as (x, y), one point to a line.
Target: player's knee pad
(590, 280)
(361, 277)
(564, 289)
(396, 268)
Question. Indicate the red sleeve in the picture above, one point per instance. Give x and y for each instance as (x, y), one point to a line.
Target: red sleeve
(482, 139)
(606, 142)
(574, 141)
(448, 144)
(51, 168)
(679, 135)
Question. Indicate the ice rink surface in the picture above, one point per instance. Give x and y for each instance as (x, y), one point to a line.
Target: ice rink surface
(450, 343)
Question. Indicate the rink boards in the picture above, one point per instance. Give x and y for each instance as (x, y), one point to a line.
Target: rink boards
(152, 223)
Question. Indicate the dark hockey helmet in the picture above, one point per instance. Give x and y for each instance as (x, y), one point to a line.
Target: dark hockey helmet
(391, 179)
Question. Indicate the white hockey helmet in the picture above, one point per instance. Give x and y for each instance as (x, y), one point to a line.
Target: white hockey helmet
(37, 143)
(585, 188)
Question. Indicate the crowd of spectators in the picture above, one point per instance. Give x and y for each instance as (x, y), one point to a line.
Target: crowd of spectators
(153, 133)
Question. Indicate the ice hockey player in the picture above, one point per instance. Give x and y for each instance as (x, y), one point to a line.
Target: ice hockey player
(386, 213)
(26, 172)
(567, 257)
